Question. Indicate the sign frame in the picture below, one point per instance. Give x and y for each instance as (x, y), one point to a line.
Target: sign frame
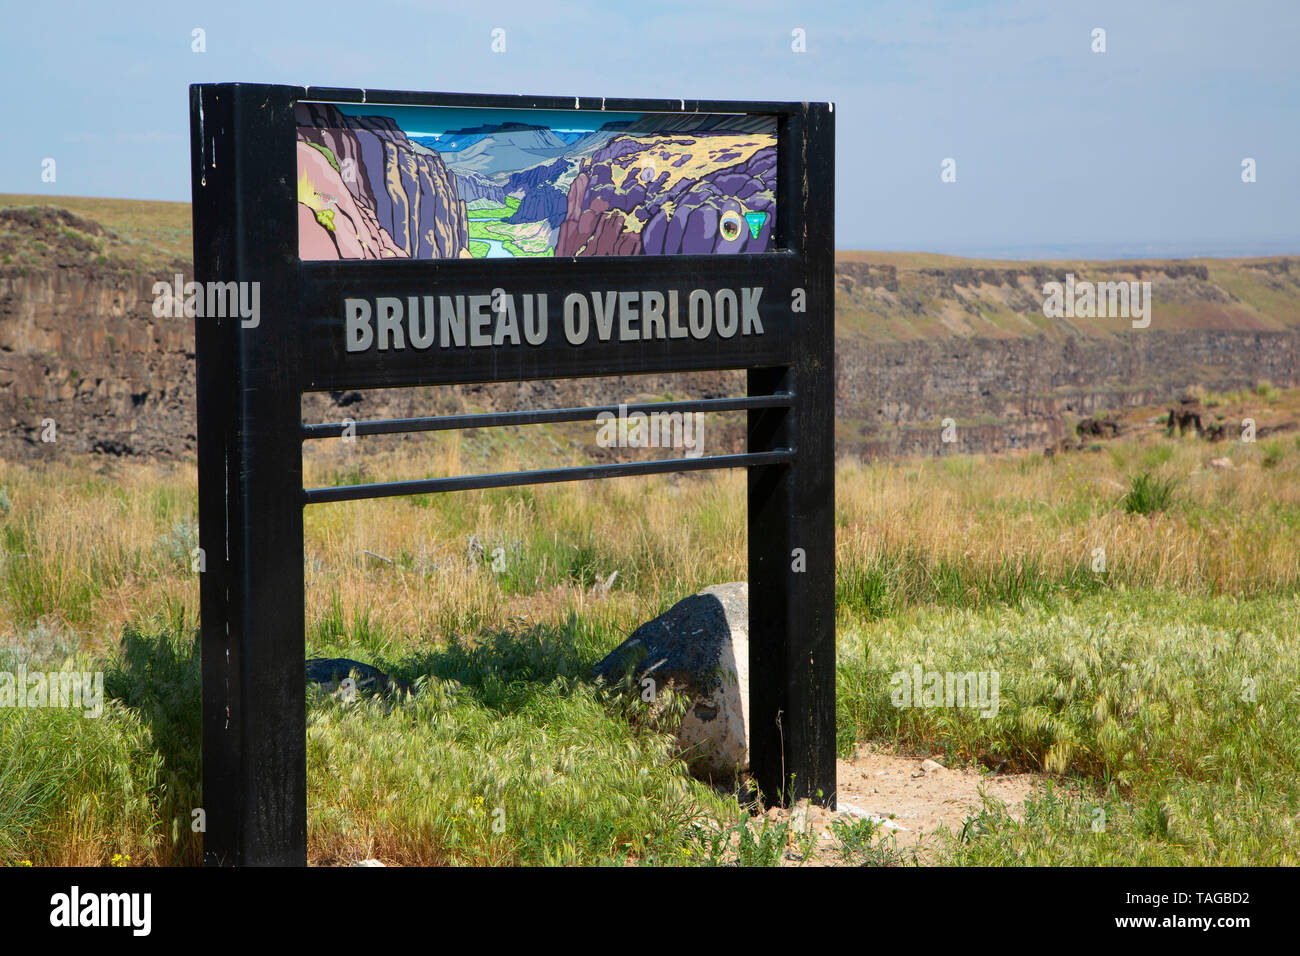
(251, 378)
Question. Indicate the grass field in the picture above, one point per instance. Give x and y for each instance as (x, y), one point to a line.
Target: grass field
(143, 236)
(1148, 661)
(914, 295)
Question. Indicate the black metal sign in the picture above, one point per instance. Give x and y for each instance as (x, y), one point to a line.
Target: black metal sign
(358, 238)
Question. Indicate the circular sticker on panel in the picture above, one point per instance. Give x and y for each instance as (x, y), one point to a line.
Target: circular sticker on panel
(730, 225)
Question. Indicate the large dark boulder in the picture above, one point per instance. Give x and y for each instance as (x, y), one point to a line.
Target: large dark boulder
(700, 648)
(330, 672)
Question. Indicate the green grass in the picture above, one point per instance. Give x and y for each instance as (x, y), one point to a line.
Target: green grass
(1273, 453)
(1180, 716)
(37, 583)
(1148, 494)
(1160, 692)
(505, 731)
(75, 789)
(888, 584)
(860, 843)
(1156, 456)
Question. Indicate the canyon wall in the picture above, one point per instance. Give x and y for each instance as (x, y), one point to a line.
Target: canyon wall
(919, 340)
(84, 350)
(1010, 393)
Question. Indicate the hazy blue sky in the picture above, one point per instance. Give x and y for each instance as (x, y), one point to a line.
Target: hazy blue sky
(1135, 150)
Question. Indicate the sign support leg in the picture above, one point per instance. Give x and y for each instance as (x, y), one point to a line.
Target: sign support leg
(791, 598)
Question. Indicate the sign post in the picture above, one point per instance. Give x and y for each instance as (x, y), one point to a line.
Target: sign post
(361, 234)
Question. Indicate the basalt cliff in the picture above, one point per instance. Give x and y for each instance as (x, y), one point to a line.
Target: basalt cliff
(920, 339)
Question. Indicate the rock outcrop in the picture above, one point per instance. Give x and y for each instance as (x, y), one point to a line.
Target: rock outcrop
(81, 348)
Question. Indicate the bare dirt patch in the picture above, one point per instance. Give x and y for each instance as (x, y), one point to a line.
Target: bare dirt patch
(912, 797)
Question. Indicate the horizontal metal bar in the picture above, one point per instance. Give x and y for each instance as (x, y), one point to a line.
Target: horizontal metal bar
(543, 416)
(509, 479)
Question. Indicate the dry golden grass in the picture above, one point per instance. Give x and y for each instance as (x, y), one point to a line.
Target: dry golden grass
(97, 546)
(148, 234)
(1232, 531)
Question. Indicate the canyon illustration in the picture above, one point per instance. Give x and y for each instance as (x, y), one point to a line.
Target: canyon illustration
(651, 184)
